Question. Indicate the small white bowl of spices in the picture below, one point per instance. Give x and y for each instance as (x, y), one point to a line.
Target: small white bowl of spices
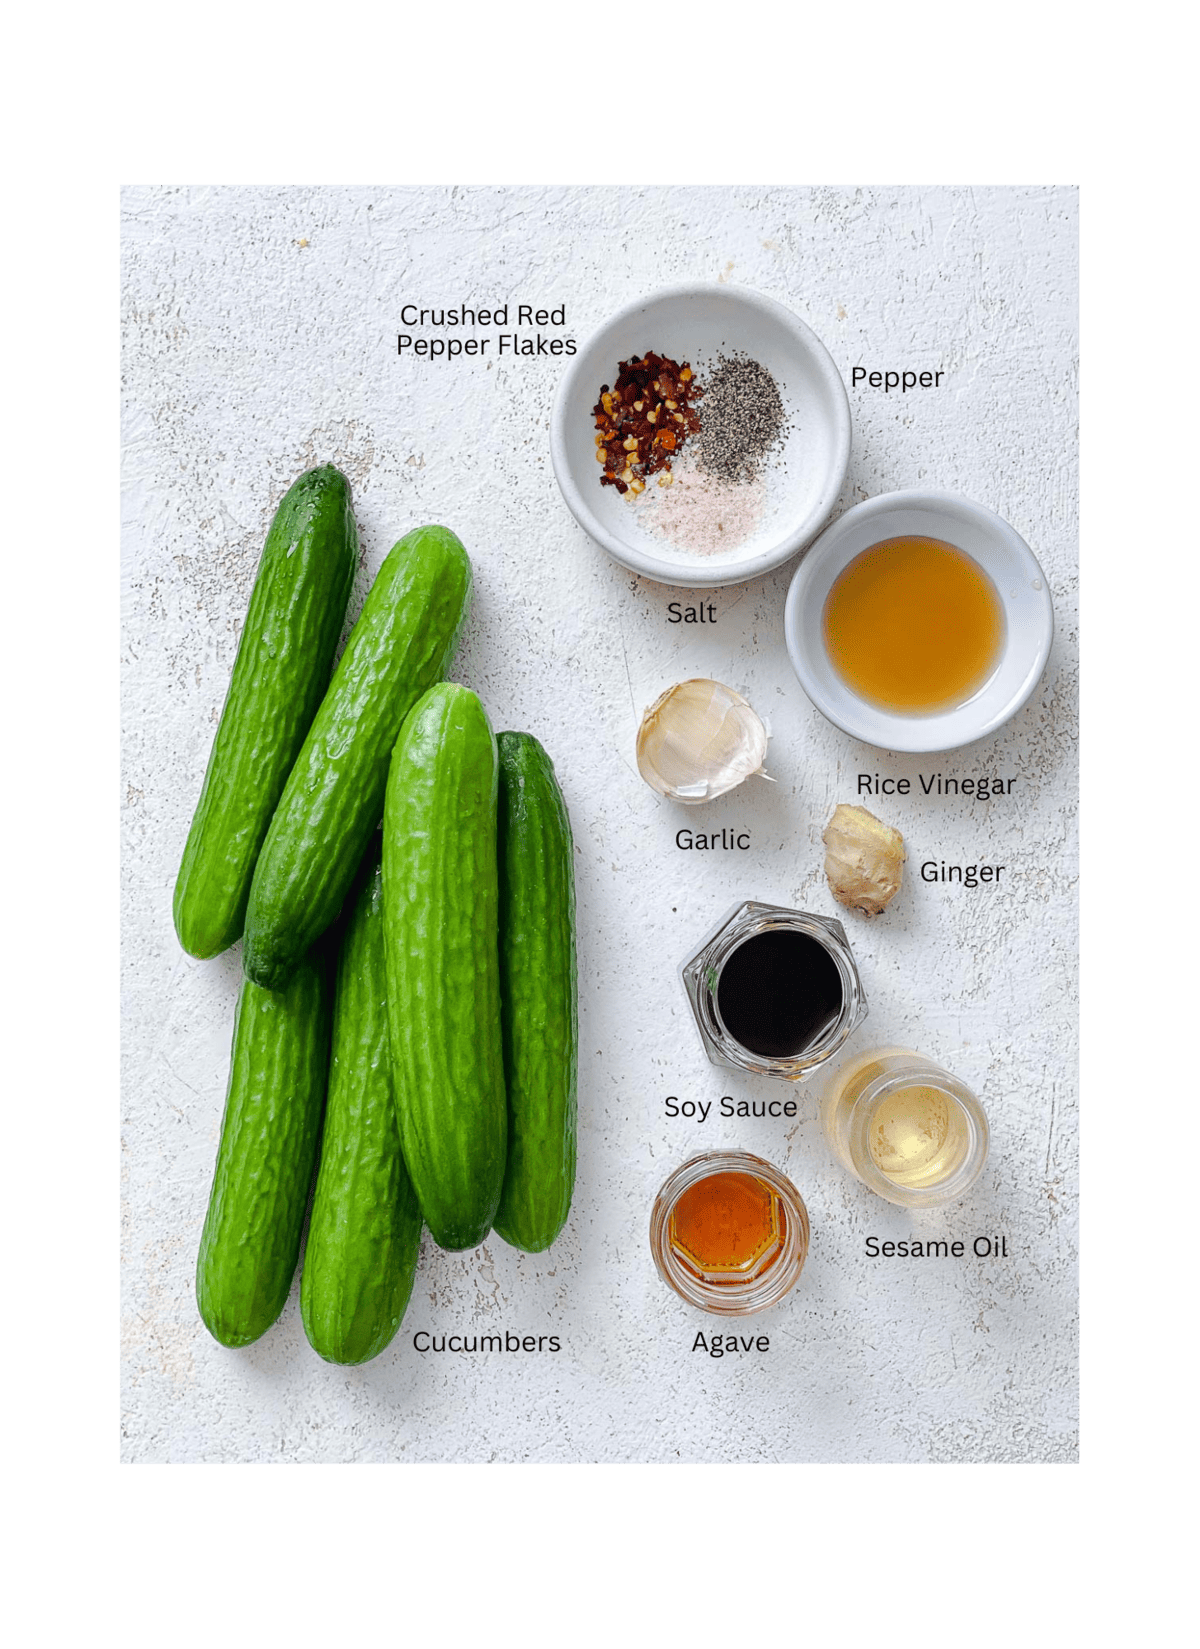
(702, 436)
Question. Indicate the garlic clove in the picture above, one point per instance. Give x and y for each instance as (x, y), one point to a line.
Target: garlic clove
(698, 740)
(864, 859)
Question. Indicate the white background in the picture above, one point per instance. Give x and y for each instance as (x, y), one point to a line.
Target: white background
(259, 331)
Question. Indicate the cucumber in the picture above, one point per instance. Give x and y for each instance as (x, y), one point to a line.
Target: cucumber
(269, 1138)
(364, 1232)
(443, 968)
(403, 642)
(539, 1012)
(282, 667)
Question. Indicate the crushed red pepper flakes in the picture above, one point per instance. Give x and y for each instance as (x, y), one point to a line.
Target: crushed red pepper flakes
(643, 420)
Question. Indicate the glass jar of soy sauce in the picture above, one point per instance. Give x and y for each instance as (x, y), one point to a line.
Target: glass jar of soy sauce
(774, 991)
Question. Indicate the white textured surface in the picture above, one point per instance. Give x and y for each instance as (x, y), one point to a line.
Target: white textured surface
(249, 357)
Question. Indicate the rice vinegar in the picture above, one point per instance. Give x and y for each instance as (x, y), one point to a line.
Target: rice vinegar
(914, 625)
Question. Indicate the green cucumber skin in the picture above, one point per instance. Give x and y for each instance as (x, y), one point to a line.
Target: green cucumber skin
(282, 667)
(270, 1134)
(364, 1233)
(440, 899)
(403, 642)
(538, 995)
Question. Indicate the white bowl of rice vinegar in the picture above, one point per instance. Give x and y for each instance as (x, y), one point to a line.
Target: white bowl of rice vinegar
(919, 621)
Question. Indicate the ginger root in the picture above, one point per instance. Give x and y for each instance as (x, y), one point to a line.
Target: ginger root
(864, 859)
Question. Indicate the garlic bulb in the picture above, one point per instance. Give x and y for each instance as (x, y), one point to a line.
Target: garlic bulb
(864, 859)
(698, 740)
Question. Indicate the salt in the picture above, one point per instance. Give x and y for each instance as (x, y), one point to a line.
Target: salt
(702, 513)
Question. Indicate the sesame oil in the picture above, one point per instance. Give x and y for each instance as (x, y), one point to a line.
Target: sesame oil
(918, 1138)
(909, 1130)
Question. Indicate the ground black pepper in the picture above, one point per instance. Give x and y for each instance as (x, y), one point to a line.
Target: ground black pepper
(743, 418)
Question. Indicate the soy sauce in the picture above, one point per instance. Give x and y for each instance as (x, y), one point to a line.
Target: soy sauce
(778, 992)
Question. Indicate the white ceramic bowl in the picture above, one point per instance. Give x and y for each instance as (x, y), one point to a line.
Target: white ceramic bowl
(698, 323)
(1003, 555)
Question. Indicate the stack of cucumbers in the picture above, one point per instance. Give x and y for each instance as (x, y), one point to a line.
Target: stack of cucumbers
(406, 1028)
